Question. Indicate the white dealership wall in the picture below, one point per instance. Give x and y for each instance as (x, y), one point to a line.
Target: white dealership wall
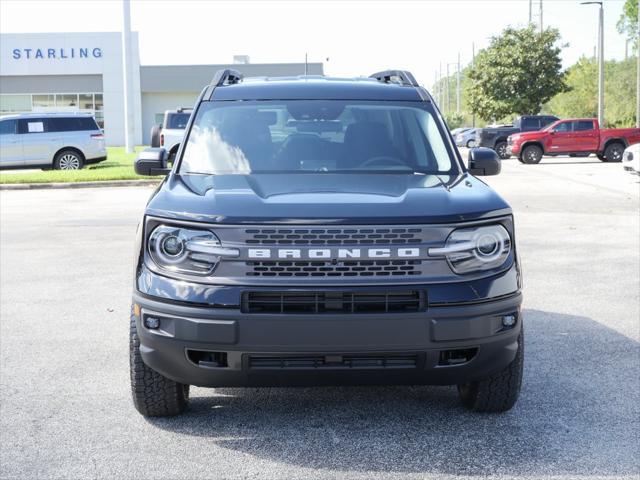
(46, 63)
(41, 55)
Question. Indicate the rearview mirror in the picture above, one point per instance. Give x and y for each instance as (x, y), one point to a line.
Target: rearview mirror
(484, 161)
(152, 161)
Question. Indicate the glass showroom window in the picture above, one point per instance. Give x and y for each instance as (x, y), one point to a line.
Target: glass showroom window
(15, 103)
(46, 100)
(99, 109)
(67, 100)
(85, 101)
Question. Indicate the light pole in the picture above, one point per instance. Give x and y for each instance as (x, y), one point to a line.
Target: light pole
(449, 89)
(127, 77)
(600, 61)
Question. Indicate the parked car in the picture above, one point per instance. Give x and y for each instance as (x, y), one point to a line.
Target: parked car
(631, 159)
(64, 141)
(496, 137)
(169, 134)
(457, 131)
(575, 136)
(315, 232)
(466, 138)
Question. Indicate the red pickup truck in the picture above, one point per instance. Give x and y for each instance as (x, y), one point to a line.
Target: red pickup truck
(575, 137)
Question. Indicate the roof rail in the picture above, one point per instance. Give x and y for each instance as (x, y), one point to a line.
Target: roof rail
(403, 77)
(228, 76)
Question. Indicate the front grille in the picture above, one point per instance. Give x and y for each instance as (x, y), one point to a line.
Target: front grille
(318, 362)
(332, 236)
(325, 302)
(351, 268)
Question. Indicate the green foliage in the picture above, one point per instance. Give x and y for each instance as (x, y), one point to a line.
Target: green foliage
(517, 74)
(454, 120)
(628, 22)
(581, 99)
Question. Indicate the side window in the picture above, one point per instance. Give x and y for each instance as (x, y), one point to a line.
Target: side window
(563, 127)
(530, 124)
(71, 124)
(546, 121)
(582, 125)
(8, 127)
(32, 125)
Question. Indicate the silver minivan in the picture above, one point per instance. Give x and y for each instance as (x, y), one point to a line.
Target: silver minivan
(64, 141)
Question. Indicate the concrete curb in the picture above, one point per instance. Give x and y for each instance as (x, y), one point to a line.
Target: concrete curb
(109, 183)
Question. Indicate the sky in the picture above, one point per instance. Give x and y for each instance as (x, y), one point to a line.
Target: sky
(357, 37)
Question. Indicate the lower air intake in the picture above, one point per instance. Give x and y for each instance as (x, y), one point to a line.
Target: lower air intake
(329, 362)
(327, 302)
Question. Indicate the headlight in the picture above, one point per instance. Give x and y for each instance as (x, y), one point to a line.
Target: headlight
(476, 249)
(185, 250)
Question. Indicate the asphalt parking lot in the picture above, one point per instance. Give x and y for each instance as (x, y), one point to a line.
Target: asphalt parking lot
(66, 412)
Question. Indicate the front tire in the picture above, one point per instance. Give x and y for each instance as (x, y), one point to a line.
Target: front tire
(154, 395)
(501, 150)
(471, 144)
(531, 154)
(68, 160)
(613, 152)
(498, 392)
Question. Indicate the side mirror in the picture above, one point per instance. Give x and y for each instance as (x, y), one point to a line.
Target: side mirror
(152, 161)
(484, 161)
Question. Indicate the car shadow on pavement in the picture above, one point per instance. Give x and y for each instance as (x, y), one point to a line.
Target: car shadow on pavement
(578, 414)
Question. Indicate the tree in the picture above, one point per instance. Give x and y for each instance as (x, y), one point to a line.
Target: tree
(628, 22)
(518, 73)
(581, 98)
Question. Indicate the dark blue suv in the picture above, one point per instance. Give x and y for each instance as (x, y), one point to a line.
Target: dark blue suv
(321, 231)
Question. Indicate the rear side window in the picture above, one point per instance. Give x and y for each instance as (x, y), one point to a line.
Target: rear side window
(530, 124)
(547, 120)
(8, 127)
(71, 124)
(177, 120)
(32, 125)
(582, 125)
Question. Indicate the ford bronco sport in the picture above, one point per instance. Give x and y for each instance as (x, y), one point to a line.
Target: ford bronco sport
(319, 231)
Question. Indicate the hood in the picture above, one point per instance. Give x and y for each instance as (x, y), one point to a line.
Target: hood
(527, 135)
(325, 198)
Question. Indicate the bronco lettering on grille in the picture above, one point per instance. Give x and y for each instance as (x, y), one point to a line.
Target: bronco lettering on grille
(330, 253)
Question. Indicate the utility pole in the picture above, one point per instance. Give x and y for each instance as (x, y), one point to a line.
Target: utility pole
(127, 76)
(473, 64)
(541, 23)
(600, 59)
(601, 66)
(530, 11)
(441, 89)
(448, 98)
(458, 87)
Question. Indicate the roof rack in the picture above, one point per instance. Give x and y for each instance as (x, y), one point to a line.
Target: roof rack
(403, 77)
(226, 76)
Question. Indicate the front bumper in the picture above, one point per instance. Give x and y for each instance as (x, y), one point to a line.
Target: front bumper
(327, 349)
(513, 150)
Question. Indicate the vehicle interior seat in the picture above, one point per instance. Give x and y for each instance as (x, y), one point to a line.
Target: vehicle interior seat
(366, 140)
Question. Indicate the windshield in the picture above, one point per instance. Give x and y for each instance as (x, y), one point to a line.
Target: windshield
(178, 120)
(303, 136)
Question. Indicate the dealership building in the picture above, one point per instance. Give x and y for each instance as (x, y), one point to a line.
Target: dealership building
(84, 72)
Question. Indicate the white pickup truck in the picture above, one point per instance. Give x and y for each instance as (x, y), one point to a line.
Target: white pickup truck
(168, 135)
